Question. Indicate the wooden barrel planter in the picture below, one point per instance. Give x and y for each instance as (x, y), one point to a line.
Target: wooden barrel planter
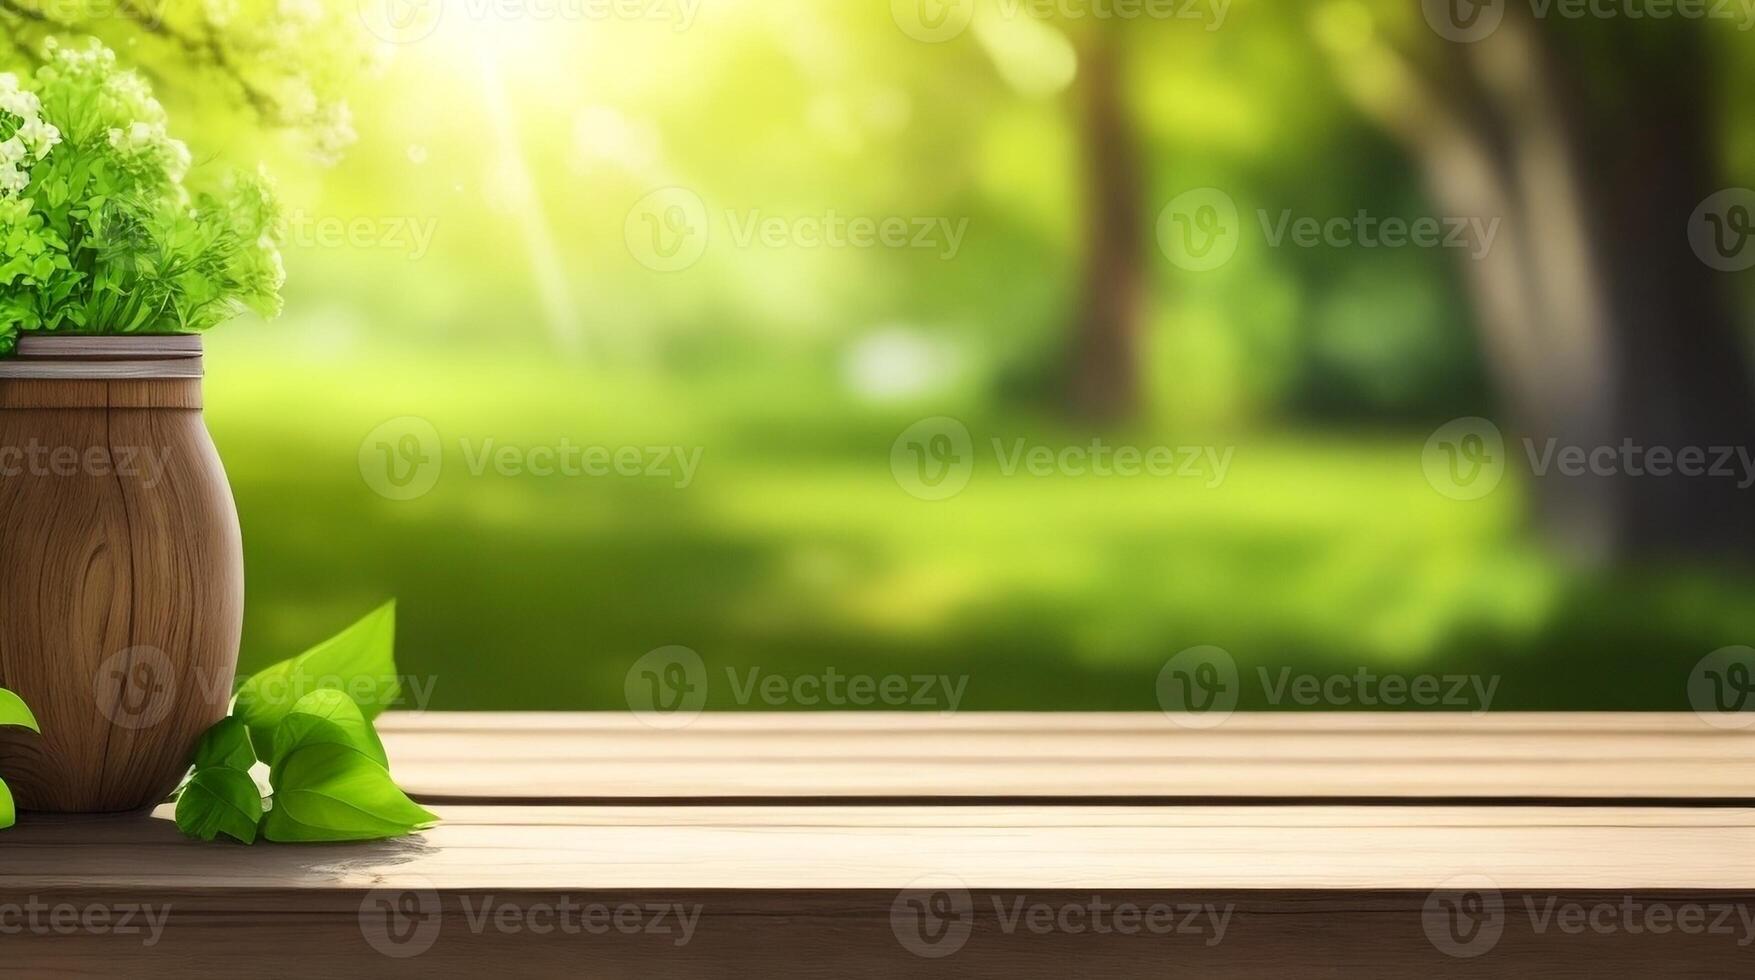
(121, 569)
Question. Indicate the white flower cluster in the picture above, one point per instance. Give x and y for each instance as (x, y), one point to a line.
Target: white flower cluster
(30, 138)
(150, 138)
(124, 95)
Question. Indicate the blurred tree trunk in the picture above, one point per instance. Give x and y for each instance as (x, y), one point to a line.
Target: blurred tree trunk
(1103, 378)
(1601, 325)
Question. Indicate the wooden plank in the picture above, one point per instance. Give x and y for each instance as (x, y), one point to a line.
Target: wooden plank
(615, 757)
(841, 847)
(861, 890)
(1578, 722)
(390, 934)
(872, 891)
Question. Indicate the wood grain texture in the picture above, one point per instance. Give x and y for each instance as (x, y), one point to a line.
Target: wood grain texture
(107, 347)
(791, 890)
(839, 934)
(121, 587)
(613, 757)
(141, 369)
(819, 891)
(783, 848)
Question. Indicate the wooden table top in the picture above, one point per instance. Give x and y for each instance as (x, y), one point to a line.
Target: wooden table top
(615, 757)
(799, 837)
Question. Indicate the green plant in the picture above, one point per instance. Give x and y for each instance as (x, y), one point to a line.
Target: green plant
(12, 713)
(101, 229)
(309, 720)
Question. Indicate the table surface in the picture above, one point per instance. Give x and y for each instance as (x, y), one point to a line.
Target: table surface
(1130, 757)
(797, 809)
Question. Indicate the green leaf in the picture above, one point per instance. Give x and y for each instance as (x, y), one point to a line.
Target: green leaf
(8, 812)
(225, 746)
(220, 800)
(327, 717)
(14, 712)
(327, 792)
(359, 661)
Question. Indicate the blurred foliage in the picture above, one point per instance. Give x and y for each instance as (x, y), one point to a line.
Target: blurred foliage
(794, 550)
(467, 261)
(220, 63)
(795, 108)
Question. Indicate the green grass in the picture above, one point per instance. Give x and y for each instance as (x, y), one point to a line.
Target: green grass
(795, 550)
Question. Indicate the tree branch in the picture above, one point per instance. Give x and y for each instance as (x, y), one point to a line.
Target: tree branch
(13, 41)
(18, 10)
(206, 48)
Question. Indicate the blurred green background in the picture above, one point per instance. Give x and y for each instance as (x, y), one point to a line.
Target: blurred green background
(479, 260)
